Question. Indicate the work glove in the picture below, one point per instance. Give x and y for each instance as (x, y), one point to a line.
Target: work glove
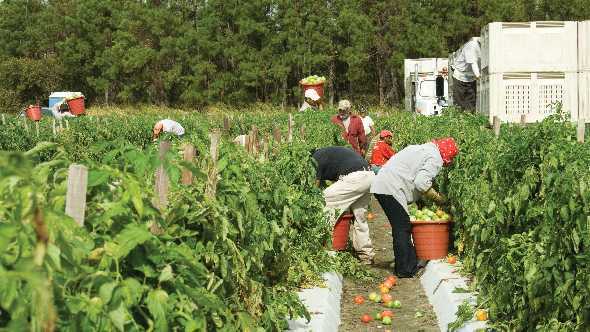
(435, 196)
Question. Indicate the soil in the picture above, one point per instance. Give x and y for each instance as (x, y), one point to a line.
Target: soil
(408, 291)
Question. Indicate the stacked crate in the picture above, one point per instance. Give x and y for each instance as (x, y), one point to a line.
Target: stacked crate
(527, 68)
(584, 69)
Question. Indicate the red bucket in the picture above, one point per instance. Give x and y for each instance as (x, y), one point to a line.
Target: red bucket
(33, 112)
(319, 88)
(340, 233)
(76, 106)
(431, 239)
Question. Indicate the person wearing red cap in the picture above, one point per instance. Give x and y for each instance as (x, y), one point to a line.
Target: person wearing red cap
(382, 151)
(404, 179)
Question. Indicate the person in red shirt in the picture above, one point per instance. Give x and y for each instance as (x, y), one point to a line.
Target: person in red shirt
(353, 130)
(382, 151)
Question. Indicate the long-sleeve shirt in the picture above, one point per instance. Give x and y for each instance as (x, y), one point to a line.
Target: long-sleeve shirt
(466, 66)
(353, 132)
(408, 173)
(381, 153)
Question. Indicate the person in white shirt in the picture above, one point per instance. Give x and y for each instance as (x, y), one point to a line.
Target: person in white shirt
(368, 125)
(167, 126)
(465, 74)
(312, 100)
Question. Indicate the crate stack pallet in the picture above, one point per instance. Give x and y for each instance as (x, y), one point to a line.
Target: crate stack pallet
(527, 69)
(584, 69)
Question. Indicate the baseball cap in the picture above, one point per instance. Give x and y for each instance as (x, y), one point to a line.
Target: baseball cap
(385, 133)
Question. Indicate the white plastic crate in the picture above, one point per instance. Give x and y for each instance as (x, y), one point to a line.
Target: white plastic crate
(509, 95)
(584, 45)
(530, 47)
(584, 95)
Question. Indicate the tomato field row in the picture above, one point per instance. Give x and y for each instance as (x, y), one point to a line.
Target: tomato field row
(521, 202)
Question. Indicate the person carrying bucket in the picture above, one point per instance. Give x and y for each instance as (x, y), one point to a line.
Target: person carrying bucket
(167, 126)
(404, 179)
(351, 177)
(312, 100)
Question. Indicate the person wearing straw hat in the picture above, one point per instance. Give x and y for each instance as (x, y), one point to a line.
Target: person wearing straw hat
(404, 179)
(352, 126)
(351, 177)
(312, 100)
(167, 126)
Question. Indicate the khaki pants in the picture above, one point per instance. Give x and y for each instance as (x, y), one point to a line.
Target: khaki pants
(352, 192)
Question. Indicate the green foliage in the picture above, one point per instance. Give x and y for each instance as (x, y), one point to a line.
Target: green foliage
(194, 53)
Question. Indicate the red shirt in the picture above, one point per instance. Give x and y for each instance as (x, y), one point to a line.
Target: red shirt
(355, 134)
(381, 153)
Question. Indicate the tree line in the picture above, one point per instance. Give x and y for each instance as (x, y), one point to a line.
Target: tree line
(190, 53)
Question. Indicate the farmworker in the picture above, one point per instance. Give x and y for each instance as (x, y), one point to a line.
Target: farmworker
(368, 123)
(466, 73)
(167, 126)
(312, 100)
(351, 177)
(406, 177)
(352, 127)
(382, 151)
(60, 110)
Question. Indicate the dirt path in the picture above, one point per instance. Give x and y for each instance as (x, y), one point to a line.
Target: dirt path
(408, 291)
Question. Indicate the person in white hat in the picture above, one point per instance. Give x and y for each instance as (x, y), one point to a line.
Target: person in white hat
(312, 100)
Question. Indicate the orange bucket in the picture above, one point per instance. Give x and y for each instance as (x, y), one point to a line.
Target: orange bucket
(33, 112)
(319, 88)
(76, 106)
(431, 239)
(340, 233)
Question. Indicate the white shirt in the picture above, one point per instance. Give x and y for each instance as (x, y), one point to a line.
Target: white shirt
(408, 173)
(367, 123)
(304, 106)
(466, 66)
(170, 126)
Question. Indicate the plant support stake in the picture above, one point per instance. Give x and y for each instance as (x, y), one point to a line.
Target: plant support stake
(76, 194)
(581, 130)
(189, 157)
(497, 126)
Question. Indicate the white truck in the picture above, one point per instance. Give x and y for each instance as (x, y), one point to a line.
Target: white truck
(426, 85)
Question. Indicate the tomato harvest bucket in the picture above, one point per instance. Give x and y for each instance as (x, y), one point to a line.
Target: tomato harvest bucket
(431, 239)
(76, 105)
(340, 233)
(319, 88)
(33, 112)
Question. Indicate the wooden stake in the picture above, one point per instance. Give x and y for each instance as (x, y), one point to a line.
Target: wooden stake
(67, 124)
(581, 130)
(76, 194)
(61, 125)
(302, 132)
(212, 174)
(53, 127)
(290, 129)
(3, 120)
(37, 128)
(226, 124)
(497, 124)
(523, 119)
(277, 135)
(254, 138)
(25, 125)
(162, 181)
(188, 156)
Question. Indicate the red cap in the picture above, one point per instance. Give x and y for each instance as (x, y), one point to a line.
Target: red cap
(385, 133)
(448, 149)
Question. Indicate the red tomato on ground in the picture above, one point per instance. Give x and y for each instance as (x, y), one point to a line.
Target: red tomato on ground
(359, 299)
(366, 318)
